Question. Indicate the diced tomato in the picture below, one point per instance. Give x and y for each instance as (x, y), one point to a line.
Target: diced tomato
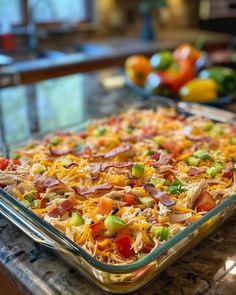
(53, 211)
(43, 203)
(205, 202)
(66, 205)
(172, 148)
(123, 245)
(123, 232)
(146, 248)
(130, 199)
(97, 228)
(83, 134)
(37, 196)
(3, 164)
(105, 205)
(73, 200)
(234, 129)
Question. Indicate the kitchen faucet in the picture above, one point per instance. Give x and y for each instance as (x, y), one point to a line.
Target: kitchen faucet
(32, 27)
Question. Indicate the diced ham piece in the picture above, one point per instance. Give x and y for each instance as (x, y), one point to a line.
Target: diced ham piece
(114, 152)
(60, 152)
(41, 182)
(66, 205)
(194, 171)
(163, 197)
(228, 171)
(82, 191)
(54, 211)
(105, 166)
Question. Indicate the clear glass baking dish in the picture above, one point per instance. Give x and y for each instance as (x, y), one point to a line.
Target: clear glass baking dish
(114, 278)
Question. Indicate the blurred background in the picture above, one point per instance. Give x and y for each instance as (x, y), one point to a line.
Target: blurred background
(53, 49)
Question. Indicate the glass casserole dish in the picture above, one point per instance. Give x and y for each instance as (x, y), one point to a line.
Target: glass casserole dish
(115, 278)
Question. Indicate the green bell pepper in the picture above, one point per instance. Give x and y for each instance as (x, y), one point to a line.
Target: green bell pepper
(224, 77)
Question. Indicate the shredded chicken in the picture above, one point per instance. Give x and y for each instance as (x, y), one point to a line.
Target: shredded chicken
(194, 192)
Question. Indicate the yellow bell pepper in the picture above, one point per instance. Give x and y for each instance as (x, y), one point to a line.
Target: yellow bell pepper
(199, 90)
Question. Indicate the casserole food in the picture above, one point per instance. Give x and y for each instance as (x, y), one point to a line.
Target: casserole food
(125, 190)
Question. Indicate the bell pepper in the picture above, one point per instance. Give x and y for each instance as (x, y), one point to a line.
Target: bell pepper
(203, 155)
(216, 168)
(187, 52)
(113, 224)
(76, 219)
(137, 170)
(233, 140)
(147, 201)
(29, 197)
(160, 232)
(161, 61)
(199, 90)
(224, 77)
(167, 83)
(137, 67)
(193, 161)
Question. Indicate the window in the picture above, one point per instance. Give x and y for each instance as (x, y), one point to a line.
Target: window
(14, 12)
(11, 12)
(69, 11)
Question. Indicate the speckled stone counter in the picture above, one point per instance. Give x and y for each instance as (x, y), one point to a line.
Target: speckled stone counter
(210, 268)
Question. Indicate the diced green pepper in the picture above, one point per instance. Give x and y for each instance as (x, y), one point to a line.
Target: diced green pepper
(138, 170)
(52, 196)
(113, 224)
(15, 156)
(208, 126)
(35, 204)
(29, 197)
(100, 131)
(54, 140)
(193, 161)
(129, 130)
(147, 201)
(157, 181)
(217, 168)
(76, 219)
(203, 155)
(176, 187)
(26, 203)
(217, 130)
(159, 139)
(160, 232)
(148, 153)
(233, 140)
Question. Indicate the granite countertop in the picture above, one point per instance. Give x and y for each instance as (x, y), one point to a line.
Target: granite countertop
(209, 268)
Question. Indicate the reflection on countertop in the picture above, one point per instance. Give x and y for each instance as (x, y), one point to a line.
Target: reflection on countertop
(58, 103)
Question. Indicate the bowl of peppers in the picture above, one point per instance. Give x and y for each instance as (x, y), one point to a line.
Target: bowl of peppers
(181, 75)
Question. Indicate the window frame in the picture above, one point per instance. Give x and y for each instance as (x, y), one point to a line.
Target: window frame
(87, 23)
